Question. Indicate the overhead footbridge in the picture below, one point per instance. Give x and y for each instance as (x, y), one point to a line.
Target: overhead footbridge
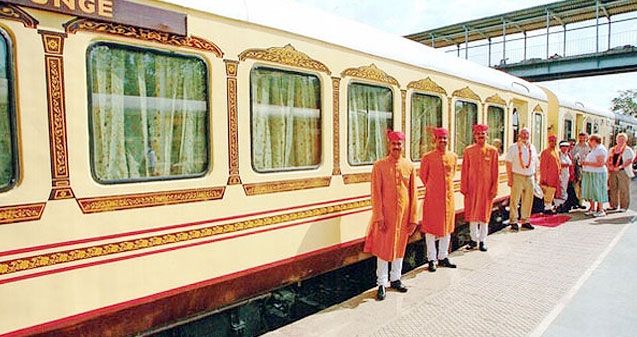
(559, 40)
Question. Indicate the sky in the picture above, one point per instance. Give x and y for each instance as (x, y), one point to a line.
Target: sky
(404, 17)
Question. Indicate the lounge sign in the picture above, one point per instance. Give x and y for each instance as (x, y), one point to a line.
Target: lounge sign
(119, 11)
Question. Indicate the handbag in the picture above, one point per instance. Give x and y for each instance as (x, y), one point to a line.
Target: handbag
(537, 190)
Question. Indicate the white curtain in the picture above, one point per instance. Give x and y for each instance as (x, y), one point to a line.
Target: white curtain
(286, 120)
(149, 114)
(426, 115)
(370, 115)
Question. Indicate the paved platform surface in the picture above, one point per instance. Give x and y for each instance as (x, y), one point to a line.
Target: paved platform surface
(577, 279)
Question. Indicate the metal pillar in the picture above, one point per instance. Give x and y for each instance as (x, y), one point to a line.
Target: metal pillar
(466, 43)
(609, 26)
(564, 42)
(597, 26)
(524, 45)
(504, 41)
(548, 31)
(489, 52)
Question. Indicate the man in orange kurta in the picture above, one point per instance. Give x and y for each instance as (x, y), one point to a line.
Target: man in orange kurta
(437, 170)
(479, 185)
(394, 214)
(550, 167)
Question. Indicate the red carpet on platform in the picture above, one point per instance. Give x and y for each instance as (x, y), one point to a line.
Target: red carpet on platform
(549, 220)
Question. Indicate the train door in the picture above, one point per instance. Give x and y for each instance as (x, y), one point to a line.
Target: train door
(568, 128)
(515, 124)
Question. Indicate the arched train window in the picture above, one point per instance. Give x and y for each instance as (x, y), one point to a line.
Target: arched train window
(466, 118)
(8, 144)
(370, 114)
(495, 121)
(426, 115)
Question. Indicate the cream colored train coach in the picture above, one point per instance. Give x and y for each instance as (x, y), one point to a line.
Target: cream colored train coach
(160, 159)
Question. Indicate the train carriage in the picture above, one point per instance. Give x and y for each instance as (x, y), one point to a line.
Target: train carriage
(162, 160)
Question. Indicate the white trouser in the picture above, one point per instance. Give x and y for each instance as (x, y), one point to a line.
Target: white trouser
(443, 251)
(478, 231)
(382, 268)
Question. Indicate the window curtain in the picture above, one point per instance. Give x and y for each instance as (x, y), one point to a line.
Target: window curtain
(495, 121)
(7, 159)
(149, 115)
(370, 115)
(466, 118)
(426, 115)
(538, 135)
(286, 120)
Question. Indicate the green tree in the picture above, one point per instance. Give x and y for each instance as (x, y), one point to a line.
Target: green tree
(626, 103)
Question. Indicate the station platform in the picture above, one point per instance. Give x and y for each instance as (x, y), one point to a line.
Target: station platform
(576, 279)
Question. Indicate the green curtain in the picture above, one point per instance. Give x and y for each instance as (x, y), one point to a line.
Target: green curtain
(426, 115)
(286, 120)
(149, 114)
(466, 118)
(495, 121)
(7, 157)
(370, 115)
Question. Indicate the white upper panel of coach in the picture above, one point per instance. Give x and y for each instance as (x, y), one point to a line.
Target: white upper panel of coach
(299, 19)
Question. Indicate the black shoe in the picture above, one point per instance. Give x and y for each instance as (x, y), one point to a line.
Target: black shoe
(432, 266)
(380, 295)
(549, 212)
(483, 247)
(514, 227)
(472, 245)
(398, 286)
(445, 263)
(528, 226)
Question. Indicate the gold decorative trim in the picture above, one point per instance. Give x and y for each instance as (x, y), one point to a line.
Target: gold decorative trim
(132, 201)
(357, 178)
(287, 55)
(53, 42)
(336, 85)
(287, 185)
(372, 73)
(21, 213)
(233, 123)
(403, 108)
(88, 25)
(466, 93)
(153, 242)
(61, 193)
(11, 12)
(57, 116)
(496, 99)
(427, 85)
(538, 108)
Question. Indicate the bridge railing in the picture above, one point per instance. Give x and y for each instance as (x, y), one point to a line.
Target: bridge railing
(579, 39)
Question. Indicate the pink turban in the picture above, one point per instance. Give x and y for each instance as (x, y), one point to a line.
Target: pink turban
(552, 137)
(395, 135)
(441, 132)
(480, 128)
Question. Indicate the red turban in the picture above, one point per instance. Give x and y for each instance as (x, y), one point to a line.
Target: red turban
(395, 135)
(441, 132)
(480, 128)
(552, 137)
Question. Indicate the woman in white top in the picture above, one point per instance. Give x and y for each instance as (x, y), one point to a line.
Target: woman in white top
(595, 177)
(620, 171)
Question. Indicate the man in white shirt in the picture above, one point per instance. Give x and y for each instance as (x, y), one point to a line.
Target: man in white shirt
(521, 161)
